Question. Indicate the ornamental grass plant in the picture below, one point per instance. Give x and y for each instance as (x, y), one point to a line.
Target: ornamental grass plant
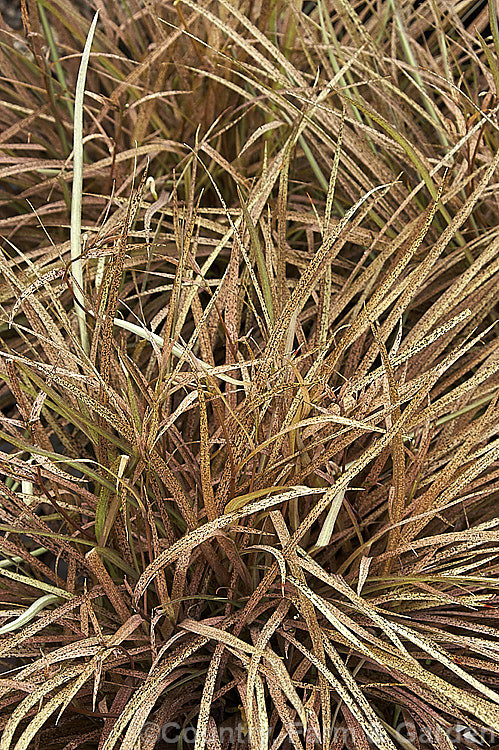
(249, 375)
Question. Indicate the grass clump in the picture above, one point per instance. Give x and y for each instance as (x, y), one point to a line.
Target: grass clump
(249, 464)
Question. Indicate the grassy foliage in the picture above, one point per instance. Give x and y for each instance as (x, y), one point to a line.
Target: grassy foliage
(249, 467)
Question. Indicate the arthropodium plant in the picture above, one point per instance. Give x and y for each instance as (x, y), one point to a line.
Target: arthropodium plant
(262, 499)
